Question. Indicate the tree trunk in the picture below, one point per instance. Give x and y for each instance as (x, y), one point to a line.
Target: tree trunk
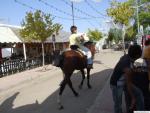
(24, 51)
(54, 48)
(43, 53)
(123, 36)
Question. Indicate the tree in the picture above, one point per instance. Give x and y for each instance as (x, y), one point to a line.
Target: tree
(110, 35)
(38, 26)
(143, 13)
(121, 13)
(57, 28)
(130, 34)
(144, 18)
(94, 35)
(114, 35)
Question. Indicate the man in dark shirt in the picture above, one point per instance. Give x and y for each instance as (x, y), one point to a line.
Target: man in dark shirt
(121, 75)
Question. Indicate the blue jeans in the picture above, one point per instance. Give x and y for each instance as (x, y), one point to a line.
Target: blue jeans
(88, 53)
(117, 92)
(139, 99)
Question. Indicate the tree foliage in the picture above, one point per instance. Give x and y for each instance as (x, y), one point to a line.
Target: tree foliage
(121, 12)
(38, 26)
(57, 28)
(125, 12)
(130, 34)
(115, 35)
(144, 13)
(94, 35)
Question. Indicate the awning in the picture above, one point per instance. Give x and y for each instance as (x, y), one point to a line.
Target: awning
(8, 36)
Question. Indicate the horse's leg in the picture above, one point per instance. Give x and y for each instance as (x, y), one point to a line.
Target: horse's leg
(83, 78)
(88, 78)
(62, 87)
(71, 87)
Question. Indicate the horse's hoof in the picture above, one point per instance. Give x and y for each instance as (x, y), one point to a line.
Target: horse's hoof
(89, 86)
(80, 86)
(61, 107)
(76, 95)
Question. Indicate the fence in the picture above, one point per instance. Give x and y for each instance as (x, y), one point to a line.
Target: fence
(17, 65)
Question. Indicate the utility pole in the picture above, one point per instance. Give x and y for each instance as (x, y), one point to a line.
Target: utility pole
(72, 12)
(137, 14)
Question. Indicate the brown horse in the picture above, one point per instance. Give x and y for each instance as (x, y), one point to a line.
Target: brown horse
(73, 60)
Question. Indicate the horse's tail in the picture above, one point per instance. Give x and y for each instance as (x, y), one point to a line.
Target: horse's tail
(58, 60)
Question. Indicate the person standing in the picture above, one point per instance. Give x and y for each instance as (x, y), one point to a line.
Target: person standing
(120, 78)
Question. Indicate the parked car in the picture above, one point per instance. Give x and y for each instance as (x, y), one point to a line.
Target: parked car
(105, 46)
(117, 47)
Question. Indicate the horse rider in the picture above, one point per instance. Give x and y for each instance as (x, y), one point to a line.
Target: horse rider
(77, 43)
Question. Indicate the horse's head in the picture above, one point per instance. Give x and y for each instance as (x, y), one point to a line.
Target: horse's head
(91, 46)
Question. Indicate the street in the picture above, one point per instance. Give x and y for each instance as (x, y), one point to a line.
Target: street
(39, 94)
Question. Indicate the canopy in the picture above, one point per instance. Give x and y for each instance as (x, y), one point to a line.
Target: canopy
(7, 35)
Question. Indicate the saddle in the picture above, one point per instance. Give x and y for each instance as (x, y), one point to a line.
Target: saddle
(80, 53)
(59, 58)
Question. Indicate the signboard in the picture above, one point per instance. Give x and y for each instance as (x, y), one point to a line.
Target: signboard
(141, 111)
(141, 30)
(53, 38)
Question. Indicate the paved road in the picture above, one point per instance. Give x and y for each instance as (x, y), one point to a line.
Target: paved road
(38, 94)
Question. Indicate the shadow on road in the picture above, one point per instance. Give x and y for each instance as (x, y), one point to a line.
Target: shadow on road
(97, 62)
(71, 103)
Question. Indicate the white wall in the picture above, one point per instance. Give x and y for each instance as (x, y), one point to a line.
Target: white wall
(6, 52)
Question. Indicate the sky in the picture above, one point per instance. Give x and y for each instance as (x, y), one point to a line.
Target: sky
(90, 14)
